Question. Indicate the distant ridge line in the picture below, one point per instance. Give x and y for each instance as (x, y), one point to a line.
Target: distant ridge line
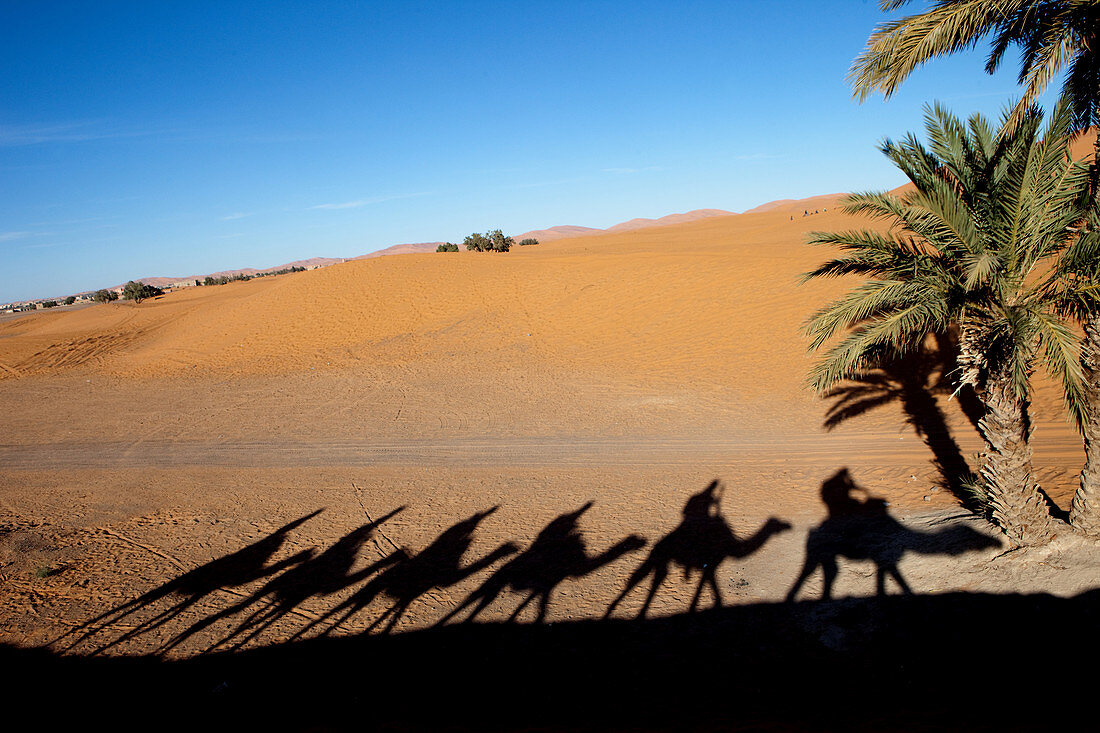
(549, 234)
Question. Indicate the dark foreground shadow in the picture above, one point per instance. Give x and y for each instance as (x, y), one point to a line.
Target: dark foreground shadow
(886, 663)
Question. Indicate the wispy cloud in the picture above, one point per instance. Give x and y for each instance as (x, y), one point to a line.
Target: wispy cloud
(643, 169)
(366, 202)
(63, 132)
(236, 215)
(9, 236)
(40, 246)
(67, 222)
(540, 184)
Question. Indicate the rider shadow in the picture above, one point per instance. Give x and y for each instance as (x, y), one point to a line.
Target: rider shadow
(558, 552)
(238, 569)
(439, 565)
(315, 576)
(700, 543)
(861, 529)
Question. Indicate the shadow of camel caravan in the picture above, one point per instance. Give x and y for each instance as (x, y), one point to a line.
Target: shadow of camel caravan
(238, 569)
(439, 565)
(320, 575)
(558, 553)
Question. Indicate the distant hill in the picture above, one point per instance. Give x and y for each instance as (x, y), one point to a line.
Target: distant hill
(568, 231)
(627, 226)
(813, 202)
(565, 231)
(401, 249)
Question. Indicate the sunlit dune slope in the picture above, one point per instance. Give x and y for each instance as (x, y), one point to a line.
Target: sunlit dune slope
(715, 300)
(791, 205)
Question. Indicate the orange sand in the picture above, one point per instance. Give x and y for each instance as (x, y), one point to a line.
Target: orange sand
(628, 369)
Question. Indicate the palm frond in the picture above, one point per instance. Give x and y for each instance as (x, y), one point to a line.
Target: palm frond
(1062, 357)
(896, 48)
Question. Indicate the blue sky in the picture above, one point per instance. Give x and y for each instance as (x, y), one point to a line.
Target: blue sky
(179, 138)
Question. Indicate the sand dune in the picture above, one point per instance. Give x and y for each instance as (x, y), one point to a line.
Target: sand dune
(714, 300)
(550, 234)
(693, 326)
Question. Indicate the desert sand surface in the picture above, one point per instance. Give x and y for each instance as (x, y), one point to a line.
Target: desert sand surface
(229, 480)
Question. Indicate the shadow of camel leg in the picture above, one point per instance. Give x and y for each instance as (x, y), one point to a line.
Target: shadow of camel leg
(712, 580)
(155, 623)
(830, 569)
(896, 574)
(314, 623)
(659, 574)
(544, 604)
(398, 612)
(378, 621)
(698, 592)
(258, 618)
(352, 609)
(460, 608)
(520, 607)
(808, 569)
(635, 580)
(485, 602)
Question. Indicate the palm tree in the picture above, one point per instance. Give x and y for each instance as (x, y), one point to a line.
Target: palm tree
(1052, 35)
(1076, 283)
(966, 249)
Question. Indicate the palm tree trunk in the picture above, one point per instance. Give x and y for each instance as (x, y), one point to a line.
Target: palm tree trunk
(1084, 514)
(1013, 494)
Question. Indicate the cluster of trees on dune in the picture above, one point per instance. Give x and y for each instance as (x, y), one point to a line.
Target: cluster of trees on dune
(996, 248)
(491, 241)
(241, 277)
(139, 291)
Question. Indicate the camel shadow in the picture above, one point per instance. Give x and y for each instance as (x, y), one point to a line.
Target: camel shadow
(314, 576)
(238, 569)
(412, 575)
(861, 529)
(557, 553)
(700, 543)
